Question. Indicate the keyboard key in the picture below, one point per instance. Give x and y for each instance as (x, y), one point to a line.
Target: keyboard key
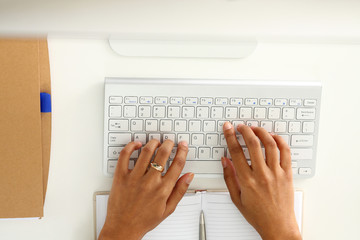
(260, 113)
(231, 112)
(280, 102)
(288, 113)
(267, 125)
(308, 127)
(188, 112)
(222, 140)
(183, 137)
(118, 125)
(173, 152)
(129, 111)
(245, 112)
(236, 123)
(147, 100)
(194, 126)
(159, 111)
(305, 171)
(119, 138)
(202, 167)
(266, 101)
(202, 112)
(161, 100)
(166, 125)
(305, 113)
(295, 102)
(204, 153)
(236, 101)
(144, 111)
(274, 113)
(130, 100)
(140, 137)
(212, 139)
(115, 100)
(154, 136)
(173, 112)
(295, 171)
(197, 139)
(180, 125)
(114, 152)
(294, 127)
(217, 112)
(112, 165)
(301, 153)
(221, 101)
(169, 136)
(218, 153)
(136, 125)
(191, 100)
(151, 125)
(251, 101)
(115, 111)
(252, 123)
(302, 140)
(280, 127)
(209, 126)
(191, 154)
(206, 101)
(220, 125)
(176, 100)
(309, 102)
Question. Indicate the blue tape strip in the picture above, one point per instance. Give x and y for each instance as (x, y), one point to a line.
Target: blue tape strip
(45, 102)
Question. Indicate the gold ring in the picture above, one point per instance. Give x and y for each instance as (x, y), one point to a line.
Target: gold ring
(157, 167)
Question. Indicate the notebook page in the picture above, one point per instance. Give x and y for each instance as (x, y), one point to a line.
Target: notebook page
(183, 224)
(224, 221)
(100, 210)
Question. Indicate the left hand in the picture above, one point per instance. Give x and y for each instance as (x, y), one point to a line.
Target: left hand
(140, 199)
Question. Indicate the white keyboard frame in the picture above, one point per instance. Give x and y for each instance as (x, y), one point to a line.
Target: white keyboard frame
(214, 88)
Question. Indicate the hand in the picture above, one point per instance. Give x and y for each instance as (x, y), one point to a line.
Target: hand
(142, 198)
(263, 192)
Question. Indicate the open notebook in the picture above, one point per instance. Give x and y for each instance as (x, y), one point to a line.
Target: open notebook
(222, 219)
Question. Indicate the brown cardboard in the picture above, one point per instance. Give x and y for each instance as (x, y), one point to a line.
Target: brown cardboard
(24, 131)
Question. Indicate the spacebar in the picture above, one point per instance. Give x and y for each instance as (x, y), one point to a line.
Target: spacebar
(203, 167)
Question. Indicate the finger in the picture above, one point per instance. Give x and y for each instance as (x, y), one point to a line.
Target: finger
(161, 157)
(271, 150)
(253, 144)
(145, 157)
(236, 152)
(178, 192)
(177, 165)
(231, 180)
(285, 154)
(122, 166)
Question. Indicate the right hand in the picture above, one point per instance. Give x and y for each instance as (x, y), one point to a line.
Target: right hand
(263, 192)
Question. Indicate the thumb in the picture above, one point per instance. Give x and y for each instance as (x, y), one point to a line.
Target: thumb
(231, 180)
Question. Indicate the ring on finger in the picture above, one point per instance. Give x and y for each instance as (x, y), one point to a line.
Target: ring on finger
(157, 167)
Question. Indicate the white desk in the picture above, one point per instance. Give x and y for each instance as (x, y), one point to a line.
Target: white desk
(78, 68)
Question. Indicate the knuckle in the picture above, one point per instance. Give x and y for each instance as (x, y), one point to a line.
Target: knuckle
(147, 149)
(253, 142)
(179, 162)
(269, 143)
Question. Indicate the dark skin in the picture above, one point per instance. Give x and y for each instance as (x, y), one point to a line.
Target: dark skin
(141, 199)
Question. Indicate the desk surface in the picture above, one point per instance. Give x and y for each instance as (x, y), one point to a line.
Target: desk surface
(78, 68)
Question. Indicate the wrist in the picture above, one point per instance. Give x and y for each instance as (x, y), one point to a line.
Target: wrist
(111, 232)
(288, 234)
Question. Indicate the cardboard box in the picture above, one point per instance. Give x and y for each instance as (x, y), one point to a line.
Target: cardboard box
(25, 132)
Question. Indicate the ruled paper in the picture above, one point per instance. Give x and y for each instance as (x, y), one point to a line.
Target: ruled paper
(183, 224)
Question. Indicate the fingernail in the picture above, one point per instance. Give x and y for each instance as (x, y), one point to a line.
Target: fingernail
(183, 143)
(190, 178)
(227, 126)
(272, 134)
(223, 162)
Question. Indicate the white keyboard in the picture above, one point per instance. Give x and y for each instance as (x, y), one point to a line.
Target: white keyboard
(195, 111)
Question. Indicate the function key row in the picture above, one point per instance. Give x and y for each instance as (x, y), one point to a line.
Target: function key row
(211, 101)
